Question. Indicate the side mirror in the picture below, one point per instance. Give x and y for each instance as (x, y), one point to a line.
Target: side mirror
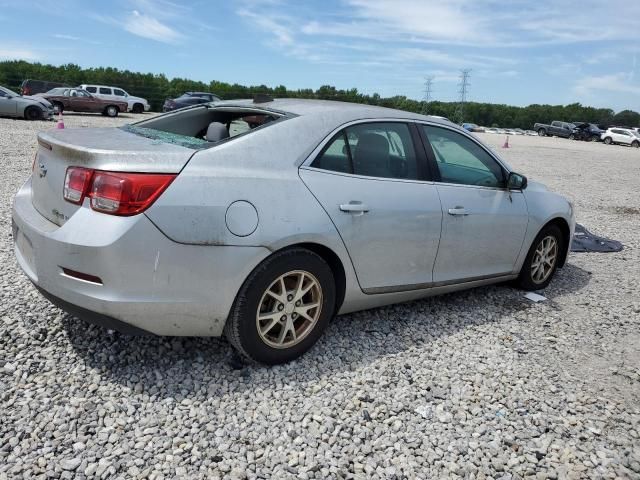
(516, 181)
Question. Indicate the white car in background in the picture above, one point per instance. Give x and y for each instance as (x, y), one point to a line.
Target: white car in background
(622, 136)
(136, 104)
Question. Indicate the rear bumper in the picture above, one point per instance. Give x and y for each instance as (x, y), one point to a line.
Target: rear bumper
(148, 282)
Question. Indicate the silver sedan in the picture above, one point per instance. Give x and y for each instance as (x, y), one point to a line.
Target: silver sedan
(30, 108)
(263, 219)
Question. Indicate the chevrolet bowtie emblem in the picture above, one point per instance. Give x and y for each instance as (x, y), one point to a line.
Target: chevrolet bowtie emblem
(43, 170)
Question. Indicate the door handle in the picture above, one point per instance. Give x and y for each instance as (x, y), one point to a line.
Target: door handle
(354, 207)
(458, 211)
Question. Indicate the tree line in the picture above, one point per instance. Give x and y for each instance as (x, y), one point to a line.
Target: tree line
(157, 87)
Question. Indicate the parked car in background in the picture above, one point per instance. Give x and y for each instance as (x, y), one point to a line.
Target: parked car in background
(174, 226)
(518, 131)
(135, 104)
(556, 129)
(31, 87)
(30, 108)
(188, 99)
(621, 136)
(78, 100)
(588, 132)
(472, 127)
(491, 130)
(531, 132)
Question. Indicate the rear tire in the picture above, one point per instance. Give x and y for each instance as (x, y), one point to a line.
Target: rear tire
(111, 111)
(572, 137)
(595, 138)
(58, 107)
(541, 262)
(33, 113)
(271, 321)
(608, 140)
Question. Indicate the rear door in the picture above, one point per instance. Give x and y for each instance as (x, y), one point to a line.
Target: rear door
(371, 180)
(483, 223)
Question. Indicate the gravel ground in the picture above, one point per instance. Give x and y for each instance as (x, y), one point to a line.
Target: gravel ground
(478, 384)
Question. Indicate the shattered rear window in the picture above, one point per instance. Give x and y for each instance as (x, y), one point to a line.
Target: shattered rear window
(167, 137)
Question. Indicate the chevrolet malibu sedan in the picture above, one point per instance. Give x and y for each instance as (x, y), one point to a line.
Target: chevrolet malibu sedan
(262, 221)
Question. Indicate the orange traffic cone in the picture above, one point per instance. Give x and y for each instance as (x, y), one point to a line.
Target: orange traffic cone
(506, 142)
(60, 121)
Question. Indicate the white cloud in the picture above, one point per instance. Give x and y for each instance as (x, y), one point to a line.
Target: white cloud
(17, 54)
(146, 26)
(64, 36)
(615, 83)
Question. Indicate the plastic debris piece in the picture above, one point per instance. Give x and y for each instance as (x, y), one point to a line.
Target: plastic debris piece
(534, 297)
(585, 241)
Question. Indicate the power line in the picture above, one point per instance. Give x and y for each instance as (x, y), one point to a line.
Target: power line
(426, 100)
(464, 84)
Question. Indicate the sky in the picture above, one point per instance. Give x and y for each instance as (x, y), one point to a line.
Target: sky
(519, 51)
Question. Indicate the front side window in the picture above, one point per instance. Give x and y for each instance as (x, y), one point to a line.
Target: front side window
(118, 92)
(92, 89)
(461, 160)
(372, 149)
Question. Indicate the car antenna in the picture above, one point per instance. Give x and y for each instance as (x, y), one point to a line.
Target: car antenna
(262, 98)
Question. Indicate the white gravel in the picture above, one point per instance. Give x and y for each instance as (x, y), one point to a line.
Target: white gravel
(478, 384)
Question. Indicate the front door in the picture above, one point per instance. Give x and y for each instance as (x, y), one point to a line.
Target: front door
(483, 223)
(369, 180)
(8, 106)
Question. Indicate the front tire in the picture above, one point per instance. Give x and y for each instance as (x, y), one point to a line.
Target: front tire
(33, 113)
(137, 108)
(283, 307)
(608, 141)
(572, 137)
(542, 259)
(111, 111)
(635, 144)
(542, 132)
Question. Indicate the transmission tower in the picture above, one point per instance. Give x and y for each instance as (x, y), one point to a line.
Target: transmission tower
(464, 84)
(426, 100)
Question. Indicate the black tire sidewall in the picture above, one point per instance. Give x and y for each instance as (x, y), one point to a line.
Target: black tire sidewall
(37, 116)
(524, 279)
(243, 316)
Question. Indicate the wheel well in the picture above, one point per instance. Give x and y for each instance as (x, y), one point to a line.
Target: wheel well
(335, 264)
(562, 224)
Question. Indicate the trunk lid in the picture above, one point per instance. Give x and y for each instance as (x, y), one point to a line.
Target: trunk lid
(111, 149)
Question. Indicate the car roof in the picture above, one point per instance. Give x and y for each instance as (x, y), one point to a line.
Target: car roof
(341, 112)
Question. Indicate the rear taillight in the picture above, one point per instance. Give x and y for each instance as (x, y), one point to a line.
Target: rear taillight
(76, 183)
(116, 193)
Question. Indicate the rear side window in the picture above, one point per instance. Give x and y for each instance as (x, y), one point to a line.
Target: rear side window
(91, 89)
(378, 149)
(105, 91)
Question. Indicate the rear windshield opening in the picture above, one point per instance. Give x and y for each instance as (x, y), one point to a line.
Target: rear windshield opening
(204, 126)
